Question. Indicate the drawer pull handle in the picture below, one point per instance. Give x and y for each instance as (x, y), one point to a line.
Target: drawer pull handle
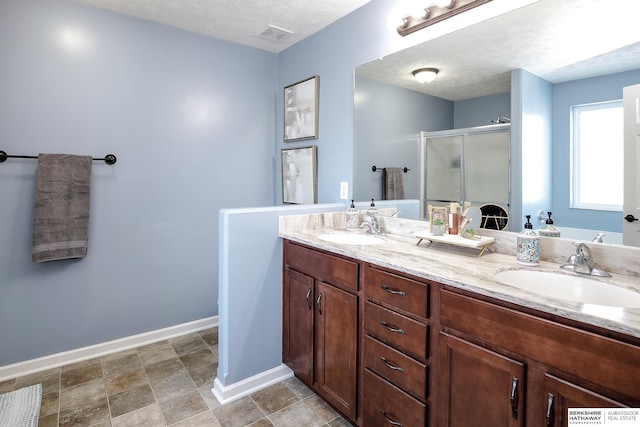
(389, 420)
(391, 365)
(514, 398)
(549, 409)
(308, 298)
(393, 291)
(392, 328)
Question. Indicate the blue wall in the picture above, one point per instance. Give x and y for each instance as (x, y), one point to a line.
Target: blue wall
(481, 111)
(585, 91)
(192, 122)
(531, 145)
(333, 53)
(251, 289)
(387, 133)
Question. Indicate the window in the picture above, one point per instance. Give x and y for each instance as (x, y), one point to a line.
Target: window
(597, 150)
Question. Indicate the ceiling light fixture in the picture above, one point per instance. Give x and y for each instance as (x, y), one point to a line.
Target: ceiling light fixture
(435, 11)
(425, 75)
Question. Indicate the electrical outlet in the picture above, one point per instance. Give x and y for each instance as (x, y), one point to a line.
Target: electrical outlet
(344, 190)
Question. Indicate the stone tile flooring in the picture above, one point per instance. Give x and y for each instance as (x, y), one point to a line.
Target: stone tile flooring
(167, 383)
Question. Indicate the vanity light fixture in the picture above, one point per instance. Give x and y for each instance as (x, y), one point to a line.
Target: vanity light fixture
(435, 11)
(425, 75)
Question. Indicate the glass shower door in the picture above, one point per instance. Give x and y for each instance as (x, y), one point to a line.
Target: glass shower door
(487, 168)
(444, 169)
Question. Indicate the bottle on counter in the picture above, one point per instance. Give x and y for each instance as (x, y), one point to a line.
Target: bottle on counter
(528, 248)
(372, 211)
(453, 218)
(351, 218)
(549, 230)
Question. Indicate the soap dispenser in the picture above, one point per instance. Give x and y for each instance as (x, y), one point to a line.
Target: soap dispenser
(372, 211)
(549, 230)
(351, 218)
(528, 249)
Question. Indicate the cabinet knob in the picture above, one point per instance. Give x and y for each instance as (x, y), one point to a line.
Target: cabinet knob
(309, 297)
(319, 303)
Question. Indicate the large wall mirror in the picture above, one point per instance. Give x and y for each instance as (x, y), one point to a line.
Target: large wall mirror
(583, 51)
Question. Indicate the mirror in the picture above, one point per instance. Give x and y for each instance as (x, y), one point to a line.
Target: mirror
(559, 42)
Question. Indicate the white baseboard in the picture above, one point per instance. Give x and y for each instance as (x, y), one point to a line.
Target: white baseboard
(235, 391)
(59, 359)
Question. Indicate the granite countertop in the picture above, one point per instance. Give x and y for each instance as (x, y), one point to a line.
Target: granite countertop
(463, 269)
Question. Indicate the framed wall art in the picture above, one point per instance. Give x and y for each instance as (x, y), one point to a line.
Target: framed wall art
(301, 109)
(299, 175)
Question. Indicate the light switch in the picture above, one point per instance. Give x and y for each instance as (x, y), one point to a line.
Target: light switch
(344, 190)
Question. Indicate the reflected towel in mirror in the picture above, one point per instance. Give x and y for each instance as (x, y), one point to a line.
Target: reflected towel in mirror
(392, 184)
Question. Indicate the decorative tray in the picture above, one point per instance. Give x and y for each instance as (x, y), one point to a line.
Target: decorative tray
(477, 242)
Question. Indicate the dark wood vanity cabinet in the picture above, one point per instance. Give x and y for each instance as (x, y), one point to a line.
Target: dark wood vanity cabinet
(502, 367)
(389, 349)
(320, 323)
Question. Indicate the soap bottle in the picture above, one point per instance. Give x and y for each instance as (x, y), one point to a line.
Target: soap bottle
(372, 211)
(549, 230)
(351, 218)
(528, 248)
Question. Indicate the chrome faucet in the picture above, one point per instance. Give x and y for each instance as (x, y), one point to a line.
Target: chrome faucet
(371, 224)
(582, 262)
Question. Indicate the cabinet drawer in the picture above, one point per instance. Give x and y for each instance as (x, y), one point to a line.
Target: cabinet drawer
(386, 405)
(405, 294)
(328, 268)
(398, 368)
(396, 330)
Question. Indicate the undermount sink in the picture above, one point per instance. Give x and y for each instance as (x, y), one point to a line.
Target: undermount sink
(570, 288)
(351, 238)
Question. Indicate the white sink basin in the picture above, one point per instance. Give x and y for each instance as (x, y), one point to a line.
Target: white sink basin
(570, 288)
(351, 238)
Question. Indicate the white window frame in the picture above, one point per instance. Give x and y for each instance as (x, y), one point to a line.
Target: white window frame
(575, 201)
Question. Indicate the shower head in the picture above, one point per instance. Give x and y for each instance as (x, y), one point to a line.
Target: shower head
(501, 119)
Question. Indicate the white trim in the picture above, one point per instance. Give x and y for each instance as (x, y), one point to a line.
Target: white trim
(235, 391)
(59, 359)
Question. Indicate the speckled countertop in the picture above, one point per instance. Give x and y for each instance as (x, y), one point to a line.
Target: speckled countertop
(462, 268)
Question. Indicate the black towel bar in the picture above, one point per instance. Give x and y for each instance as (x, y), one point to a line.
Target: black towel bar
(375, 169)
(109, 159)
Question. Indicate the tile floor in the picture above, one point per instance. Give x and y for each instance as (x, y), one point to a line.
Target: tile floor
(167, 383)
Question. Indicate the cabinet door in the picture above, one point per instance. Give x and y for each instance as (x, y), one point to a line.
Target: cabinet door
(297, 330)
(336, 346)
(480, 387)
(560, 395)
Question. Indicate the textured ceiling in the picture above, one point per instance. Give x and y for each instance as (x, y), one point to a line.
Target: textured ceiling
(556, 40)
(239, 21)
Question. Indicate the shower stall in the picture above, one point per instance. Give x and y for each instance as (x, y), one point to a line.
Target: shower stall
(467, 165)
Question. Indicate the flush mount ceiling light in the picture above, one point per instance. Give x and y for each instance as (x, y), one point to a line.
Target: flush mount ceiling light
(425, 75)
(435, 11)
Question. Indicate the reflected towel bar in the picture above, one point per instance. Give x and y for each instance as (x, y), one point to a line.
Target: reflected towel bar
(375, 169)
(109, 159)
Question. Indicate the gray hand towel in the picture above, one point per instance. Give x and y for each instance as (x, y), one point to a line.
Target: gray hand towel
(61, 212)
(392, 184)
